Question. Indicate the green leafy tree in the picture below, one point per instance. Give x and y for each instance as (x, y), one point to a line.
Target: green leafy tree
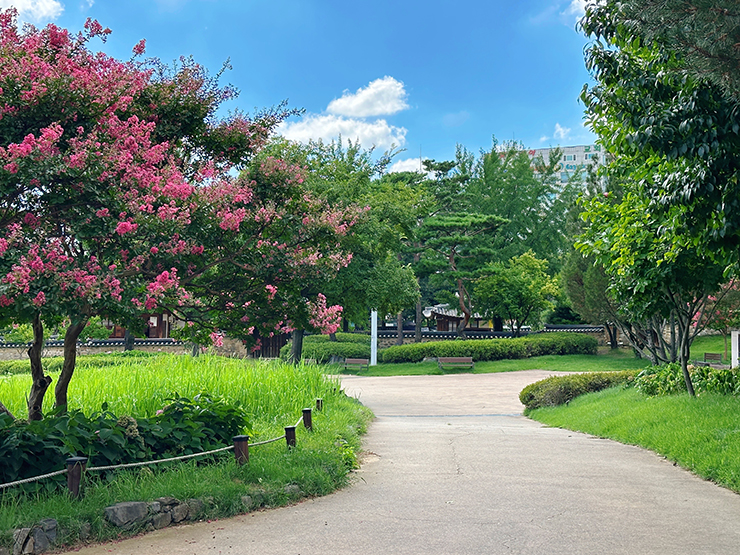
(676, 135)
(393, 288)
(673, 142)
(455, 247)
(535, 204)
(705, 34)
(519, 290)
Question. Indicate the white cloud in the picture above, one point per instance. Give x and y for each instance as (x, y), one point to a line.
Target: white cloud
(381, 97)
(544, 138)
(577, 8)
(329, 127)
(561, 132)
(407, 165)
(35, 11)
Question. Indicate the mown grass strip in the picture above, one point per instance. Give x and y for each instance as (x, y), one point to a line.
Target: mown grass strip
(700, 434)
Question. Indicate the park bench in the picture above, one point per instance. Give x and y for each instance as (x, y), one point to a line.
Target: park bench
(358, 363)
(713, 357)
(709, 358)
(455, 362)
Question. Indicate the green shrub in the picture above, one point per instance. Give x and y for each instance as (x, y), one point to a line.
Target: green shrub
(667, 379)
(321, 348)
(495, 349)
(184, 426)
(558, 390)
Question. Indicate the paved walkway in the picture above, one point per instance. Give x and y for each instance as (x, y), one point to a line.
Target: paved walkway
(453, 468)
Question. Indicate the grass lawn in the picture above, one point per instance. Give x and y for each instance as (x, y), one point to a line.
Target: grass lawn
(701, 434)
(710, 344)
(607, 360)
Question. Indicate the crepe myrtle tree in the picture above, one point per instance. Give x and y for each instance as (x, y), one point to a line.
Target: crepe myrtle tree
(107, 167)
(262, 242)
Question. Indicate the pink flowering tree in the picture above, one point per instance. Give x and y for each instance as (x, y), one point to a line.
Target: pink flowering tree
(265, 243)
(106, 168)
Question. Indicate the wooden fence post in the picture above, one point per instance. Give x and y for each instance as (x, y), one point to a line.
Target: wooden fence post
(290, 436)
(307, 419)
(241, 449)
(75, 468)
(319, 405)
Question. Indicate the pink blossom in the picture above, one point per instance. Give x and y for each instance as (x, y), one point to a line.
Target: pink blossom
(102, 213)
(140, 47)
(40, 299)
(125, 227)
(271, 291)
(217, 339)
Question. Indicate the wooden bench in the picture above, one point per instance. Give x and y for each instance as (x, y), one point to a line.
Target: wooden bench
(358, 363)
(455, 362)
(709, 358)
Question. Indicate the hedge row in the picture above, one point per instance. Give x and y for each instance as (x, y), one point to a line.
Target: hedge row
(183, 427)
(321, 348)
(494, 349)
(558, 390)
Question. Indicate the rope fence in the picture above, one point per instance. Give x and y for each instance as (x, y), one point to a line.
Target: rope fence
(77, 466)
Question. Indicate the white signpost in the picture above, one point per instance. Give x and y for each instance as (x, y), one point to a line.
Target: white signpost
(374, 338)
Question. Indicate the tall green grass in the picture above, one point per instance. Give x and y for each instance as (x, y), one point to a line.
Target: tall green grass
(269, 391)
(701, 434)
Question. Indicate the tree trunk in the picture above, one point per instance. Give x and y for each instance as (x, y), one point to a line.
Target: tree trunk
(724, 336)
(612, 331)
(333, 336)
(345, 325)
(40, 381)
(296, 350)
(684, 330)
(462, 293)
(68, 368)
(399, 329)
(128, 341)
(4, 409)
(419, 316)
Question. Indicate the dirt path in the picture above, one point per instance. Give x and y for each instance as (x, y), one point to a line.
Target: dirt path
(453, 468)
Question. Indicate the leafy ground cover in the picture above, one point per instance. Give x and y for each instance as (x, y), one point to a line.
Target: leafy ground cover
(700, 434)
(273, 396)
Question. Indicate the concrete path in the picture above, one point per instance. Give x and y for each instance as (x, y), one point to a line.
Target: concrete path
(453, 468)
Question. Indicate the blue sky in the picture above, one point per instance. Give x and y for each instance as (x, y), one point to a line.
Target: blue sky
(424, 76)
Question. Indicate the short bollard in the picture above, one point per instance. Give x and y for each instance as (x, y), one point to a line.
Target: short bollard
(75, 468)
(319, 405)
(307, 419)
(290, 436)
(241, 449)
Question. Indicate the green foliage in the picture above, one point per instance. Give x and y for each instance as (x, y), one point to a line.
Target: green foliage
(392, 287)
(667, 379)
(494, 349)
(18, 333)
(321, 348)
(704, 34)
(558, 390)
(54, 364)
(518, 291)
(94, 329)
(184, 426)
